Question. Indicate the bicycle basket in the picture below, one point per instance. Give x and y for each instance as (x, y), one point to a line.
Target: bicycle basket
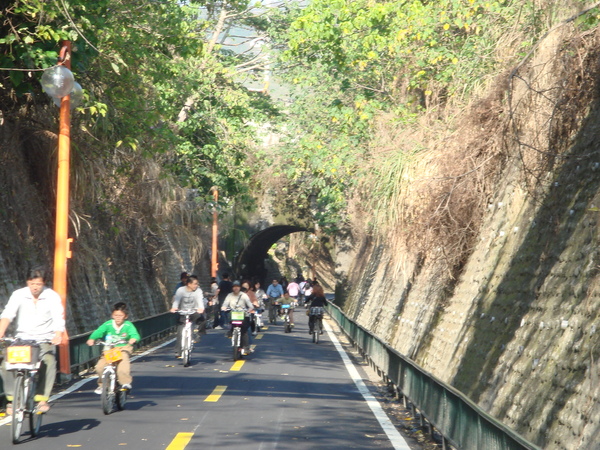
(22, 354)
(237, 315)
(113, 355)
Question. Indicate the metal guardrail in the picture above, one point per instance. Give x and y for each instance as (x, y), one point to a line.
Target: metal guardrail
(150, 329)
(460, 421)
(83, 356)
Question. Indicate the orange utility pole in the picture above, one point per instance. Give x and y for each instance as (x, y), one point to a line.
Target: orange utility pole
(61, 245)
(214, 263)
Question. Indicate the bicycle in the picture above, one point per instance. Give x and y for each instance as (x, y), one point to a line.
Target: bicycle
(286, 318)
(187, 338)
(237, 319)
(23, 357)
(316, 315)
(273, 310)
(113, 394)
(258, 320)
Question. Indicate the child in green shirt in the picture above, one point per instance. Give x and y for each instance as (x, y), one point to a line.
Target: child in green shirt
(124, 333)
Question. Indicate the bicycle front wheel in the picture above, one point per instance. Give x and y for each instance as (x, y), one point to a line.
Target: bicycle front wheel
(35, 417)
(186, 346)
(235, 343)
(18, 413)
(108, 393)
(121, 398)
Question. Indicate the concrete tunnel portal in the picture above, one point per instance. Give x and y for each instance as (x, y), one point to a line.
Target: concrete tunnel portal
(250, 263)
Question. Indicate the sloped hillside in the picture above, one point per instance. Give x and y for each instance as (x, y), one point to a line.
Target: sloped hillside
(514, 322)
(125, 254)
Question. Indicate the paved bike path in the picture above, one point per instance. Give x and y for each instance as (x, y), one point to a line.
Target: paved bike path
(291, 393)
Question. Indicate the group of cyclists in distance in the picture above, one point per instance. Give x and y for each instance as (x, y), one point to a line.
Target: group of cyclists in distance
(212, 308)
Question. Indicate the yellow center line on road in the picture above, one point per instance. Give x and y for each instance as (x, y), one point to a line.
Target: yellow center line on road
(259, 336)
(237, 366)
(215, 395)
(180, 441)
(264, 328)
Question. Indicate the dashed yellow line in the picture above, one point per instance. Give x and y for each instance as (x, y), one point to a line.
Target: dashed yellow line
(237, 366)
(259, 336)
(215, 395)
(180, 441)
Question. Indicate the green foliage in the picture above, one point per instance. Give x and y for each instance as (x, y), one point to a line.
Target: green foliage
(140, 62)
(350, 61)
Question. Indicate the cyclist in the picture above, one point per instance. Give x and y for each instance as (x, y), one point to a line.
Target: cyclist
(274, 293)
(259, 305)
(237, 300)
(40, 317)
(318, 299)
(294, 290)
(124, 334)
(288, 300)
(187, 298)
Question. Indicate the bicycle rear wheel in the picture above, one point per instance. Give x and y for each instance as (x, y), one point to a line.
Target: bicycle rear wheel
(18, 413)
(108, 393)
(35, 417)
(315, 335)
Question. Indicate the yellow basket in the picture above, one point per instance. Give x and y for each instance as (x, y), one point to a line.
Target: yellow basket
(113, 355)
(22, 354)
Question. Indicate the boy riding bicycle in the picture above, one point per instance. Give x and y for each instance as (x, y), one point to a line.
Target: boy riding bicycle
(123, 333)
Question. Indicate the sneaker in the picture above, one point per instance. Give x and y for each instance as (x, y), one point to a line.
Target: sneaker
(126, 386)
(98, 390)
(254, 333)
(218, 327)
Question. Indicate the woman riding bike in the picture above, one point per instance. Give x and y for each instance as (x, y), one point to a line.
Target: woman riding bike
(237, 301)
(317, 300)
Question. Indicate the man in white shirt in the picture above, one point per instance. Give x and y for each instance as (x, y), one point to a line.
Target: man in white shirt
(40, 317)
(188, 298)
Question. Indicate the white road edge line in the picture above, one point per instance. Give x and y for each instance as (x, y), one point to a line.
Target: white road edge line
(390, 430)
(80, 383)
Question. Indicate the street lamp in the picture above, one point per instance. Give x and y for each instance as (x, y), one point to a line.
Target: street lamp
(58, 82)
(214, 263)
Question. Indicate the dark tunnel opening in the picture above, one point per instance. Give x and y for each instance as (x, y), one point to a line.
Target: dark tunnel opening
(250, 264)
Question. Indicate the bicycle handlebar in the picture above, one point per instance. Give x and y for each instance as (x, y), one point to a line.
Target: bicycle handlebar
(10, 340)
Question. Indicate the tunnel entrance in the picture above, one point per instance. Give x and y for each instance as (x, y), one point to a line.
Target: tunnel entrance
(250, 263)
